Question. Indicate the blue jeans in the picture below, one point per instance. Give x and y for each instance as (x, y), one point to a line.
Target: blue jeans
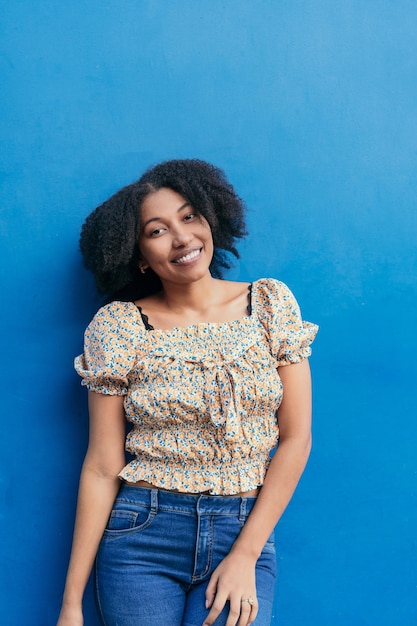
(159, 550)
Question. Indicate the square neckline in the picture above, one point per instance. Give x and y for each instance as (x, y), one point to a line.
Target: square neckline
(148, 326)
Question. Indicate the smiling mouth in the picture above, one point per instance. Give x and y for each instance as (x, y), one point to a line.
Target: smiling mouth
(188, 257)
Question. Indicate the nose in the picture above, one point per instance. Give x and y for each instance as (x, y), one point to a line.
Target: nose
(181, 237)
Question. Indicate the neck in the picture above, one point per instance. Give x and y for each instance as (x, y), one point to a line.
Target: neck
(195, 296)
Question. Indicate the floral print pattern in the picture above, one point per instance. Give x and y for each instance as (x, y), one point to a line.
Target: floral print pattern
(202, 399)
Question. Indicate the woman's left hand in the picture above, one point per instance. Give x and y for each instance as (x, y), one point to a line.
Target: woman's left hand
(234, 581)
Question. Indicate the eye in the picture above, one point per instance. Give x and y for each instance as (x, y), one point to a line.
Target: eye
(156, 232)
(190, 216)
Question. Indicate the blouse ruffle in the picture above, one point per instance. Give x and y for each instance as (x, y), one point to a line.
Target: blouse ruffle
(109, 349)
(290, 337)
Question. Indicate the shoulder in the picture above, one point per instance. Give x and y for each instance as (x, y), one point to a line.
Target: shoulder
(278, 310)
(116, 309)
(116, 316)
(273, 300)
(110, 346)
(272, 289)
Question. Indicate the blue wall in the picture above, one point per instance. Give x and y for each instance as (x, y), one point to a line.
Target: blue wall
(310, 107)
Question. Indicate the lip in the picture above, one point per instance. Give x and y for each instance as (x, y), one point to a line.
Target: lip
(185, 253)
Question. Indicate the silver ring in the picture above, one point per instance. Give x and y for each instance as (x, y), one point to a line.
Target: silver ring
(249, 600)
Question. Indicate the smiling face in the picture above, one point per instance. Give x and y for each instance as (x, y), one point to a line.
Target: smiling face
(175, 240)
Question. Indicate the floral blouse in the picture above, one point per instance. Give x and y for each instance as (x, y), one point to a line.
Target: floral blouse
(202, 399)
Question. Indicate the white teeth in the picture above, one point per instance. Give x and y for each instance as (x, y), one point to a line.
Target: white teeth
(188, 257)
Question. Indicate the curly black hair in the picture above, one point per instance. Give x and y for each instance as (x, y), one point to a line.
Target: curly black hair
(110, 234)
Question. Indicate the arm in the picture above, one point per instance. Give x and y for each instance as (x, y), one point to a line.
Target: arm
(98, 489)
(234, 579)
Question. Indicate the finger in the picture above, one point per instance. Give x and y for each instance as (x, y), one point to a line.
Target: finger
(249, 611)
(254, 612)
(211, 591)
(234, 612)
(216, 609)
(245, 614)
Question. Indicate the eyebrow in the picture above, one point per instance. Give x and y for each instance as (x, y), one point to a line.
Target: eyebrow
(157, 219)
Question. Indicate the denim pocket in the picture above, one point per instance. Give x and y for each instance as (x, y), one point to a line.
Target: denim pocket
(123, 521)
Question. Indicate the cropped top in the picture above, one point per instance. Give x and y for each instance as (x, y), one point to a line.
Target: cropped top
(202, 399)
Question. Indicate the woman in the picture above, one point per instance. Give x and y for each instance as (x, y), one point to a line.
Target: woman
(182, 534)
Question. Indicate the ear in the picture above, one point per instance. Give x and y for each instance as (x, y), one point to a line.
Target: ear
(143, 266)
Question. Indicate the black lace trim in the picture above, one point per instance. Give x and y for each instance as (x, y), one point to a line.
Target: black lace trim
(249, 307)
(145, 319)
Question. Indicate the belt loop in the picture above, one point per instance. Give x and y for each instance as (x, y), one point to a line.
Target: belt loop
(154, 500)
(242, 510)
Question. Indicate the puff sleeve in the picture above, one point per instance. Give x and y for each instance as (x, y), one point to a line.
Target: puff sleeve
(109, 349)
(289, 336)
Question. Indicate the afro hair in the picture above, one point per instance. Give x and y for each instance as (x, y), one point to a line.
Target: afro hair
(110, 234)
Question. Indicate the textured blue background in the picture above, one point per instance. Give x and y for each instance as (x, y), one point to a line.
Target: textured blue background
(310, 107)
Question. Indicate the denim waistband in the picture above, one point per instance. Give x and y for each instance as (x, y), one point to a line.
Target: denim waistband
(187, 503)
